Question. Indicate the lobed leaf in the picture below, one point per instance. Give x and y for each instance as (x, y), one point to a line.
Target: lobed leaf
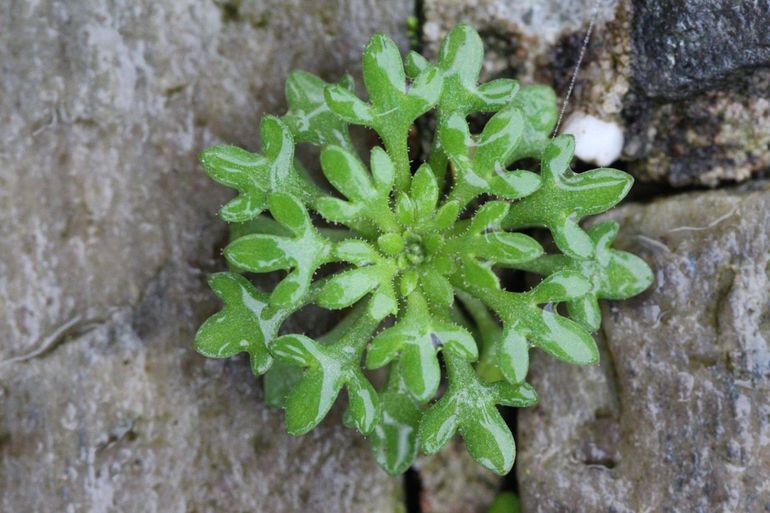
(394, 105)
(566, 197)
(329, 367)
(469, 407)
(309, 118)
(303, 253)
(479, 164)
(255, 176)
(244, 324)
(460, 60)
(367, 195)
(613, 274)
(415, 341)
(394, 439)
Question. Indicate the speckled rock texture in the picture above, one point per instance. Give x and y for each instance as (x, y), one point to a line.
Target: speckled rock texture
(108, 229)
(686, 80)
(684, 47)
(451, 482)
(677, 417)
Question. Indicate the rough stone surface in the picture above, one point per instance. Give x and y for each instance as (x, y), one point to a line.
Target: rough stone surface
(677, 417)
(123, 416)
(103, 111)
(683, 47)
(686, 85)
(519, 36)
(106, 230)
(715, 137)
(451, 482)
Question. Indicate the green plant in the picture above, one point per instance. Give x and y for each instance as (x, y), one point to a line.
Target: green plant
(505, 502)
(407, 245)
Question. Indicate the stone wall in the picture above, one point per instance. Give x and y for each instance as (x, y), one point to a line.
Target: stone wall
(677, 417)
(108, 230)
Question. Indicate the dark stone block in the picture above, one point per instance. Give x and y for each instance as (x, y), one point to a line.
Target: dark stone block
(683, 47)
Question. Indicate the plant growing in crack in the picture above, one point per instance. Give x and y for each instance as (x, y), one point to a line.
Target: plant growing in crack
(415, 253)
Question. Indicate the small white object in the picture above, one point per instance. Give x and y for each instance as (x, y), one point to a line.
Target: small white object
(432, 31)
(596, 141)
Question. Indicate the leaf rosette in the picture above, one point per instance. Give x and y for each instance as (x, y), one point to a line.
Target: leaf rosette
(408, 255)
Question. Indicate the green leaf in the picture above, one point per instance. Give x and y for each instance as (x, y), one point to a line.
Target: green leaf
(538, 103)
(586, 312)
(480, 275)
(566, 340)
(348, 287)
(279, 381)
(446, 215)
(521, 395)
(489, 441)
(468, 407)
(505, 247)
(243, 171)
(394, 439)
(460, 59)
(496, 94)
(439, 424)
(364, 406)
(243, 325)
(479, 164)
(393, 105)
(497, 142)
(309, 118)
(566, 197)
(415, 64)
(436, 288)
(415, 341)
(345, 104)
(312, 398)
(523, 319)
(488, 216)
(255, 176)
(367, 194)
(390, 243)
(329, 367)
(305, 252)
(383, 71)
(505, 502)
(559, 287)
(424, 193)
(346, 173)
(356, 252)
(512, 356)
(623, 275)
(613, 274)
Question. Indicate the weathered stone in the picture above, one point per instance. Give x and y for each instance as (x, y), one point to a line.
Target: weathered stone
(103, 111)
(713, 137)
(123, 416)
(699, 112)
(685, 47)
(108, 226)
(686, 86)
(519, 36)
(451, 482)
(677, 417)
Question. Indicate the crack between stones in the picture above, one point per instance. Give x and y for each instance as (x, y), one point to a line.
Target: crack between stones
(611, 372)
(412, 490)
